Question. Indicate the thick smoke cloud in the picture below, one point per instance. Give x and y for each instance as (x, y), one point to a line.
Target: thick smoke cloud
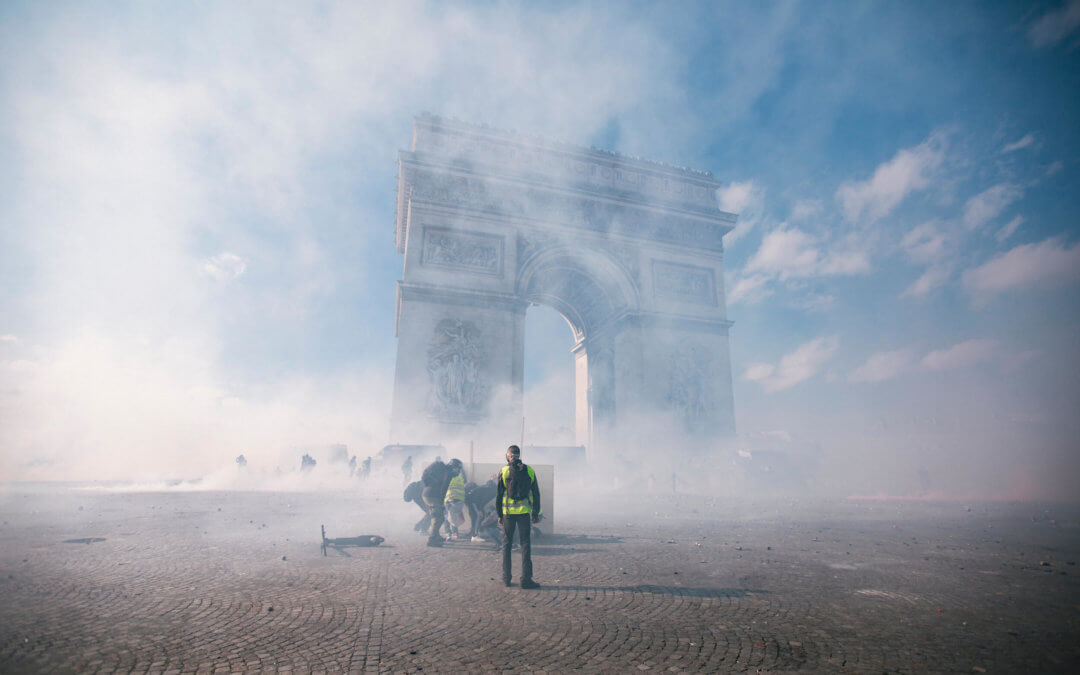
(197, 258)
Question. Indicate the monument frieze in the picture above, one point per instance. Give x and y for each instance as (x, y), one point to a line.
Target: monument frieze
(525, 202)
(463, 250)
(604, 171)
(688, 283)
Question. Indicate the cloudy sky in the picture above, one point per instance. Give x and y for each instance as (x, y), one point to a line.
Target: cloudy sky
(196, 218)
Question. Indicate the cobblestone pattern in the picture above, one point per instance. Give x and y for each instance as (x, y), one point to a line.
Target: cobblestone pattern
(178, 586)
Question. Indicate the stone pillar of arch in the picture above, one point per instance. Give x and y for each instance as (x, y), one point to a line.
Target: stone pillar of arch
(629, 251)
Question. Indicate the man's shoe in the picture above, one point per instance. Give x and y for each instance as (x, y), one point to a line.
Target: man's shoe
(529, 583)
(435, 542)
(506, 582)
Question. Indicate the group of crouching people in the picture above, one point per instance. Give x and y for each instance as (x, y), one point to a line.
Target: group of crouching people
(508, 503)
(463, 510)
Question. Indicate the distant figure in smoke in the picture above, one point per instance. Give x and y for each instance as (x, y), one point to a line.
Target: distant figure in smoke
(406, 470)
(352, 466)
(241, 461)
(307, 463)
(365, 468)
(517, 501)
(415, 493)
(436, 479)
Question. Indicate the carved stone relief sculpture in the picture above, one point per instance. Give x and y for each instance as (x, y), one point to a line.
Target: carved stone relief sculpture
(471, 251)
(684, 282)
(454, 357)
(689, 393)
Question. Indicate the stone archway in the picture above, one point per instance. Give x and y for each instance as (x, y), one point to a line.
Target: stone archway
(629, 251)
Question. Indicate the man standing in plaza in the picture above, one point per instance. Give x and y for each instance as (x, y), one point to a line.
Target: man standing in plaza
(517, 503)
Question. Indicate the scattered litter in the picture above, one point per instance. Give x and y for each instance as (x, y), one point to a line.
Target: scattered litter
(270, 609)
(283, 557)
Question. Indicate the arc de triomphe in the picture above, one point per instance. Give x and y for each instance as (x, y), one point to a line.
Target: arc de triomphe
(629, 251)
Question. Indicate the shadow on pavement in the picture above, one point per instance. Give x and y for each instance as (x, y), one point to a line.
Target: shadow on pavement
(547, 552)
(562, 539)
(664, 590)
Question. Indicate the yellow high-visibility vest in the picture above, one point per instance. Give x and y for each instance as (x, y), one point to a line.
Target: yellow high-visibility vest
(516, 507)
(456, 491)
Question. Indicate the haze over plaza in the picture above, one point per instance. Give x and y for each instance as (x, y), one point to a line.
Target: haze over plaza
(197, 258)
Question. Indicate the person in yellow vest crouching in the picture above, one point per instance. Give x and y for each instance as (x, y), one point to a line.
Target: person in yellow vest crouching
(455, 498)
(517, 503)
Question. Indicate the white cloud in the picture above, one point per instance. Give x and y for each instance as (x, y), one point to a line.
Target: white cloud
(736, 197)
(756, 372)
(1009, 228)
(746, 199)
(883, 366)
(932, 278)
(225, 266)
(1024, 142)
(924, 243)
(816, 302)
(806, 209)
(786, 253)
(846, 263)
(909, 171)
(793, 254)
(749, 290)
(1056, 25)
(989, 203)
(794, 367)
(1046, 264)
(962, 355)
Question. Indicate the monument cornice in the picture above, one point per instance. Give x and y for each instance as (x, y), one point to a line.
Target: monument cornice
(563, 183)
(681, 321)
(453, 187)
(460, 296)
(458, 128)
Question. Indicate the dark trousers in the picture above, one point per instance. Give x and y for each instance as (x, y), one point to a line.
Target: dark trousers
(438, 516)
(521, 523)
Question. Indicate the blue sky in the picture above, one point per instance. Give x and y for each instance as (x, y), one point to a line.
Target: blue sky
(196, 252)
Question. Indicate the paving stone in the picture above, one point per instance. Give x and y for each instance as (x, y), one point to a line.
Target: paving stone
(178, 586)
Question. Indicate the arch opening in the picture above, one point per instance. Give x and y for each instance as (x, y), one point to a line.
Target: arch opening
(549, 392)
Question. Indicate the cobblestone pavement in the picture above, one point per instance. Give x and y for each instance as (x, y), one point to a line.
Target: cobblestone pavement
(220, 582)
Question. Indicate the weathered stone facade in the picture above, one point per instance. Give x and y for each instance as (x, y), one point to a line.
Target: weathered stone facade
(629, 251)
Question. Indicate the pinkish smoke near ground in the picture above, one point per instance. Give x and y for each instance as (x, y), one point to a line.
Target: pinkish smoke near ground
(106, 580)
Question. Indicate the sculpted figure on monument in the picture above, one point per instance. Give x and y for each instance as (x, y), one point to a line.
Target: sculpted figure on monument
(689, 378)
(453, 359)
